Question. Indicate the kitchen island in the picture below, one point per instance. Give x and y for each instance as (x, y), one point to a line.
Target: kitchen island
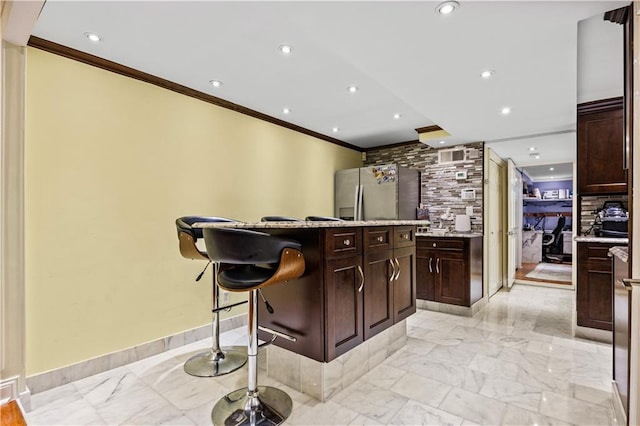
(347, 312)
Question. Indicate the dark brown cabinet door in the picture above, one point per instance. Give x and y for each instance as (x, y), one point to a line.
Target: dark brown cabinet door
(404, 285)
(600, 156)
(378, 292)
(344, 305)
(425, 278)
(452, 281)
(594, 292)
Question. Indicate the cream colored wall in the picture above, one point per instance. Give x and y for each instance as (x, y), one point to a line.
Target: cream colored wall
(111, 162)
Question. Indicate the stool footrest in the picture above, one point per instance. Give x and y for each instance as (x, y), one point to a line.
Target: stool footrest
(275, 335)
(227, 307)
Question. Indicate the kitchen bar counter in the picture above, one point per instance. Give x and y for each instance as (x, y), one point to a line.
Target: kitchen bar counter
(358, 288)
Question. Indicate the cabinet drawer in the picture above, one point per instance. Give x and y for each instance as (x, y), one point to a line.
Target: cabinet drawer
(597, 264)
(343, 241)
(404, 236)
(378, 238)
(598, 253)
(454, 244)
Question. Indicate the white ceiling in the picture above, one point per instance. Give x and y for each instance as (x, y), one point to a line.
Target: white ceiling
(404, 57)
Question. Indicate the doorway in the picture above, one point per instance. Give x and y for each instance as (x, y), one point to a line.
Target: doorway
(495, 215)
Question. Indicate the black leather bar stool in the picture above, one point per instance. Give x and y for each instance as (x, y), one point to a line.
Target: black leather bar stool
(279, 219)
(216, 361)
(252, 260)
(323, 219)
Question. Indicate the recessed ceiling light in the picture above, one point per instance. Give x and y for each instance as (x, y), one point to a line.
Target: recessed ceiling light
(286, 110)
(447, 7)
(286, 49)
(537, 156)
(550, 177)
(352, 89)
(551, 168)
(397, 116)
(487, 73)
(335, 130)
(215, 83)
(93, 37)
(505, 111)
(532, 148)
(441, 142)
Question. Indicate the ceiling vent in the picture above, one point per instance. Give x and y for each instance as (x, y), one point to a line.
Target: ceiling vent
(453, 155)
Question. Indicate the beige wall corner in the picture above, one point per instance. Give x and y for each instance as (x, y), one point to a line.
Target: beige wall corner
(12, 224)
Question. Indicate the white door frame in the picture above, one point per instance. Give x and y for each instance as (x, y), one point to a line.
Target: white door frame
(489, 253)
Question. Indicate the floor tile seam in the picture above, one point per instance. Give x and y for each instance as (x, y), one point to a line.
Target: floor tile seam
(358, 413)
(93, 406)
(438, 407)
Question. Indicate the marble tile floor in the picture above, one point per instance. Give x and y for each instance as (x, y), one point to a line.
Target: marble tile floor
(514, 363)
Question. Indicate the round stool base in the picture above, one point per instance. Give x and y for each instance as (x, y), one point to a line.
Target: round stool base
(272, 406)
(213, 363)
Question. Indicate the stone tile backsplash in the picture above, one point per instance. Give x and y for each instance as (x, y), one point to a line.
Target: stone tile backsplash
(591, 203)
(440, 188)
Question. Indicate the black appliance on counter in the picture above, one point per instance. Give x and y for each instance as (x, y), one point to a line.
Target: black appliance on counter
(612, 220)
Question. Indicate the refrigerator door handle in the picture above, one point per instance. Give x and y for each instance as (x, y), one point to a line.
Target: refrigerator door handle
(360, 206)
(356, 206)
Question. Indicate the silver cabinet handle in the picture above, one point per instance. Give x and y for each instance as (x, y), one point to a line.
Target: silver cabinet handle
(397, 273)
(437, 265)
(347, 242)
(380, 239)
(393, 272)
(430, 270)
(362, 278)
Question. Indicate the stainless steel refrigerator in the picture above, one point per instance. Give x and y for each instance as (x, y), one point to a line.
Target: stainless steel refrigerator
(377, 192)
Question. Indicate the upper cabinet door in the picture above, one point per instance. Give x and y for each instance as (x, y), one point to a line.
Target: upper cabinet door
(601, 148)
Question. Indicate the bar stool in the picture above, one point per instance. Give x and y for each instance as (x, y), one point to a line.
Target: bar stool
(253, 260)
(279, 219)
(323, 219)
(216, 361)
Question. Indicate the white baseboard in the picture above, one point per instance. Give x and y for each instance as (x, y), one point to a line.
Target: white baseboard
(9, 392)
(618, 408)
(9, 389)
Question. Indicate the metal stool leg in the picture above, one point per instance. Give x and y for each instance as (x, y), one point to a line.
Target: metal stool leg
(216, 361)
(253, 405)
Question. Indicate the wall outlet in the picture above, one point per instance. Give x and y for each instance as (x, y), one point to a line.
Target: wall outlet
(469, 210)
(225, 297)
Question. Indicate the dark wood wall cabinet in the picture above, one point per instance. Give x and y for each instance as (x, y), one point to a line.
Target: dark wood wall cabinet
(358, 282)
(449, 269)
(594, 290)
(601, 149)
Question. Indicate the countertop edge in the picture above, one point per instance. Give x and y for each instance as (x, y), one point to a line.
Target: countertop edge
(448, 235)
(310, 224)
(621, 253)
(579, 239)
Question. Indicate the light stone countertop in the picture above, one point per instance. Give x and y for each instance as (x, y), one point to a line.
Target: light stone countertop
(621, 253)
(601, 240)
(310, 224)
(449, 235)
